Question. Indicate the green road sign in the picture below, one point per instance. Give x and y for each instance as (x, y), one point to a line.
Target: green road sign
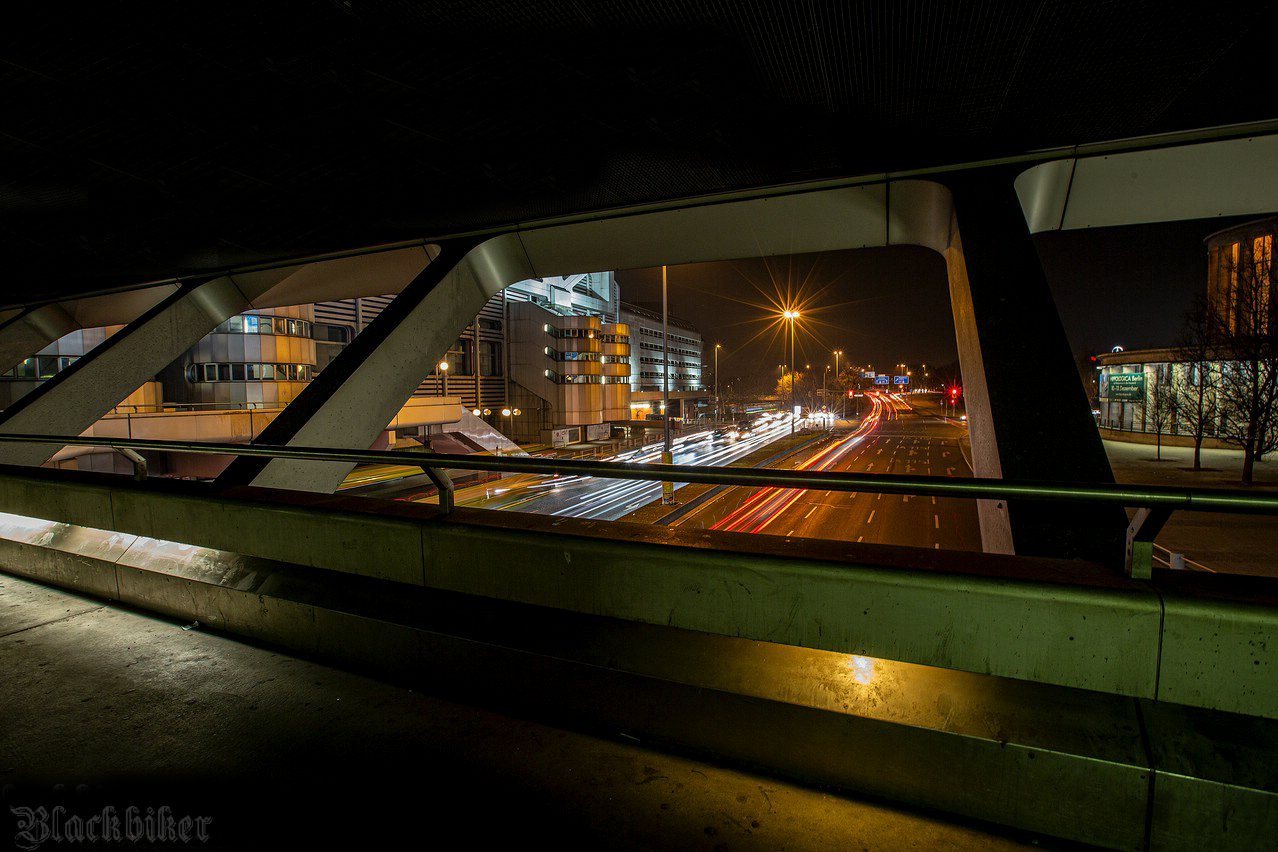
(1127, 387)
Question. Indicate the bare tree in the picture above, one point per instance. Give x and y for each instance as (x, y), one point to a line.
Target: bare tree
(1194, 384)
(1243, 324)
(1159, 410)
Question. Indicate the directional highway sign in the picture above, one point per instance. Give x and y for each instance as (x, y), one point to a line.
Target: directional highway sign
(882, 380)
(900, 380)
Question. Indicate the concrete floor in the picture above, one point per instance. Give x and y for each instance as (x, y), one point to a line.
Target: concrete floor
(106, 708)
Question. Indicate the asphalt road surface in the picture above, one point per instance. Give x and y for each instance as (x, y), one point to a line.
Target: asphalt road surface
(595, 497)
(909, 438)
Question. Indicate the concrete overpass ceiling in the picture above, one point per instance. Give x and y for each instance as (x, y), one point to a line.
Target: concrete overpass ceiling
(145, 142)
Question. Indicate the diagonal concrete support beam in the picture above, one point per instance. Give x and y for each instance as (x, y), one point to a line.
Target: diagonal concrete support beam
(77, 397)
(162, 323)
(25, 332)
(30, 331)
(356, 395)
(1028, 415)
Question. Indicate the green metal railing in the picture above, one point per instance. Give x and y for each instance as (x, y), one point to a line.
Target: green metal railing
(1154, 503)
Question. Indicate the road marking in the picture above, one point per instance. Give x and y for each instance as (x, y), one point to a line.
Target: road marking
(867, 520)
(827, 494)
(858, 538)
(810, 511)
(879, 496)
(933, 499)
(936, 521)
(905, 498)
(790, 533)
(937, 545)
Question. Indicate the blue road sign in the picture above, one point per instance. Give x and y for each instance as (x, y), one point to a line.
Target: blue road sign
(900, 380)
(882, 380)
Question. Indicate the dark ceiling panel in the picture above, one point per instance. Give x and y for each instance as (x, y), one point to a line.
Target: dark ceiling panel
(138, 143)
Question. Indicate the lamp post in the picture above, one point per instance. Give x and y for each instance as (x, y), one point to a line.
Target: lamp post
(825, 400)
(791, 316)
(510, 414)
(717, 347)
(837, 353)
(443, 369)
(667, 452)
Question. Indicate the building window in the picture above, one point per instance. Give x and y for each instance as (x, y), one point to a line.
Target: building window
(248, 372)
(253, 324)
(1229, 282)
(489, 358)
(459, 359)
(1262, 253)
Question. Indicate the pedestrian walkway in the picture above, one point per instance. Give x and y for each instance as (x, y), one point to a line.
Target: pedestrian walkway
(1234, 544)
(142, 723)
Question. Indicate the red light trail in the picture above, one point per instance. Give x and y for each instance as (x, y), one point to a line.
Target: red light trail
(755, 514)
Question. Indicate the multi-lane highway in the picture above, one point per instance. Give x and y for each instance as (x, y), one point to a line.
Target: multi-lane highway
(903, 438)
(896, 437)
(595, 497)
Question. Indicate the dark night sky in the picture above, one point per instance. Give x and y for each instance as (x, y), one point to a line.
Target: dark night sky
(1123, 286)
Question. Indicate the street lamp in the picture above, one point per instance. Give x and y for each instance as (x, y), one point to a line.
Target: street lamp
(717, 347)
(667, 448)
(791, 316)
(837, 353)
(443, 369)
(510, 414)
(826, 413)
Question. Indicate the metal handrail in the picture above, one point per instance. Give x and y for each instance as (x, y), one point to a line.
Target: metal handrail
(1153, 496)
(1155, 502)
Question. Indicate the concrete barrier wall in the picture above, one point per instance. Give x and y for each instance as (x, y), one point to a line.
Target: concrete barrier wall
(1047, 621)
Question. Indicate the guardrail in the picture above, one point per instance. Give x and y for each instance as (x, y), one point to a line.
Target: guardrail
(1154, 503)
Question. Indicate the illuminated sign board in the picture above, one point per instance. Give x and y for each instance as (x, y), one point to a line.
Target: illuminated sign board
(1127, 387)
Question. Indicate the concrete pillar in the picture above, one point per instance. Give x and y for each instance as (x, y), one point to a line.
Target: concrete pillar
(30, 331)
(1028, 415)
(349, 404)
(78, 396)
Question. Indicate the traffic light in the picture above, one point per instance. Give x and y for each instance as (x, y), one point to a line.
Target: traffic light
(849, 393)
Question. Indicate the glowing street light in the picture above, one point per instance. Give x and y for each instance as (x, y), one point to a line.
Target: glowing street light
(791, 316)
(837, 353)
(717, 347)
(510, 414)
(443, 369)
